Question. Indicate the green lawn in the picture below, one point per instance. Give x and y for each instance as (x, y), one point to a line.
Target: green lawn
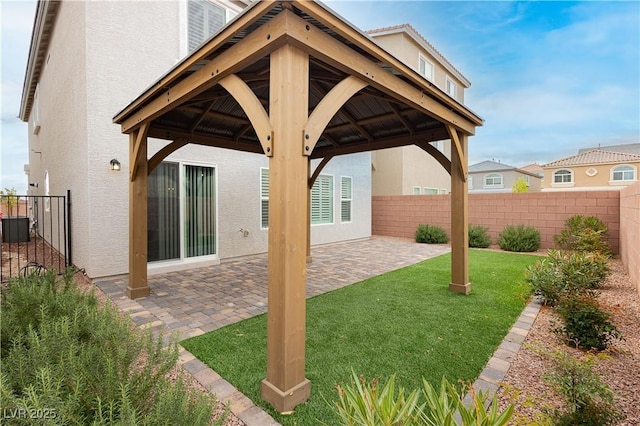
(405, 322)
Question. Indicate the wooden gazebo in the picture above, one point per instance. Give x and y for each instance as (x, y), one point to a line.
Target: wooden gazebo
(293, 81)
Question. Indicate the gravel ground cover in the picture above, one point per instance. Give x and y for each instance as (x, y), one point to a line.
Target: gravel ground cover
(524, 385)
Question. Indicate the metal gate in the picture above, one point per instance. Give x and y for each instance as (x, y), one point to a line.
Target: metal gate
(36, 235)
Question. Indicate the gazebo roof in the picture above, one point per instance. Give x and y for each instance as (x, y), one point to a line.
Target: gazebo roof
(396, 106)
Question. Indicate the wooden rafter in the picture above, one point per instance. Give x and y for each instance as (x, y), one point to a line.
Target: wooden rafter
(382, 143)
(253, 47)
(201, 117)
(204, 139)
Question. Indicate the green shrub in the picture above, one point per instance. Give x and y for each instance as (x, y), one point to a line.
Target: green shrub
(588, 400)
(584, 234)
(431, 234)
(585, 324)
(478, 236)
(561, 273)
(519, 238)
(63, 353)
(373, 404)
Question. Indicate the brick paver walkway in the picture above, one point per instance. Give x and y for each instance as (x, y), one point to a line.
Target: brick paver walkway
(199, 300)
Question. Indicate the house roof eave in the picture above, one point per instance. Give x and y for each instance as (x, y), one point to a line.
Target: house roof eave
(44, 19)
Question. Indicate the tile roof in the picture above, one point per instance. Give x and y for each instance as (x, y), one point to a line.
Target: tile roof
(420, 38)
(630, 148)
(595, 156)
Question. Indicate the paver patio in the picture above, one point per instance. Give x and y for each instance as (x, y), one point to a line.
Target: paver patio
(199, 300)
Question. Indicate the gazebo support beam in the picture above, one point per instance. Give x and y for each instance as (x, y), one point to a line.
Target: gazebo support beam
(459, 220)
(138, 286)
(286, 385)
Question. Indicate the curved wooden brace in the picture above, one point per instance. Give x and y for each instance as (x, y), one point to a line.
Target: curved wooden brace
(455, 140)
(327, 108)
(141, 138)
(318, 169)
(164, 153)
(251, 105)
(435, 153)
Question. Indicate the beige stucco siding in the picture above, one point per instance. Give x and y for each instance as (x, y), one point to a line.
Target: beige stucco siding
(509, 177)
(408, 51)
(118, 69)
(421, 169)
(61, 106)
(598, 176)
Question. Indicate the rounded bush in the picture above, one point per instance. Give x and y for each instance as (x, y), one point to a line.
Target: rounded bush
(519, 238)
(431, 234)
(478, 236)
(585, 324)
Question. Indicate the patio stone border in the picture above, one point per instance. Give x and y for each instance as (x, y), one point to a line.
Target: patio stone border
(498, 365)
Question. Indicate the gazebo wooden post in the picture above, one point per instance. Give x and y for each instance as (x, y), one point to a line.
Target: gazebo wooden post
(138, 286)
(309, 185)
(285, 385)
(459, 217)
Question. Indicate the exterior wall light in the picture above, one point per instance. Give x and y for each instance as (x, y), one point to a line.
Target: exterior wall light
(115, 165)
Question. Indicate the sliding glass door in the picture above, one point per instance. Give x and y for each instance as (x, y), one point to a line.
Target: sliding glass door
(200, 208)
(163, 213)
(181, 212)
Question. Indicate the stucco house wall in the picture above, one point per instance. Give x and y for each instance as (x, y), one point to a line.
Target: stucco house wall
(60, 111)
(405, 48)
(509, 177)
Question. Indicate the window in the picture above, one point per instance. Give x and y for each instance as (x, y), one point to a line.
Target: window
(35, 111)
(346, 196)
(416, 190)
(623, 173)
(203, 19)
(493, 180)
(439, 145)
(563, 176)
(322, 200)
(264, 198)
(470, 180)
(425, 68)
(443, 190)
(47, 200)
(430, 191)
(451, 87)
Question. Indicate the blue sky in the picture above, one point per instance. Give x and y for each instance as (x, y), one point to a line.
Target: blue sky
(548, 77)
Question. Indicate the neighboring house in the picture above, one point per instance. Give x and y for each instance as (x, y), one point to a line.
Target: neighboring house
(410, 170)
(492, 176)
(87, 60)
(595, 169)
(629, 148)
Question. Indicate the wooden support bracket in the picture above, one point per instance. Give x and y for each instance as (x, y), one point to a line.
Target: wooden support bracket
(327, 108)
(251, 105)
(462, 156)
(140, 137)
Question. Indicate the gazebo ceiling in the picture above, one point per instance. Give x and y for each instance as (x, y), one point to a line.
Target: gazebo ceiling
(373, 118)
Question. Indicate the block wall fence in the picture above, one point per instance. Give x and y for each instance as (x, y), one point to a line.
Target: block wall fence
(399, 216)
(630, 231)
